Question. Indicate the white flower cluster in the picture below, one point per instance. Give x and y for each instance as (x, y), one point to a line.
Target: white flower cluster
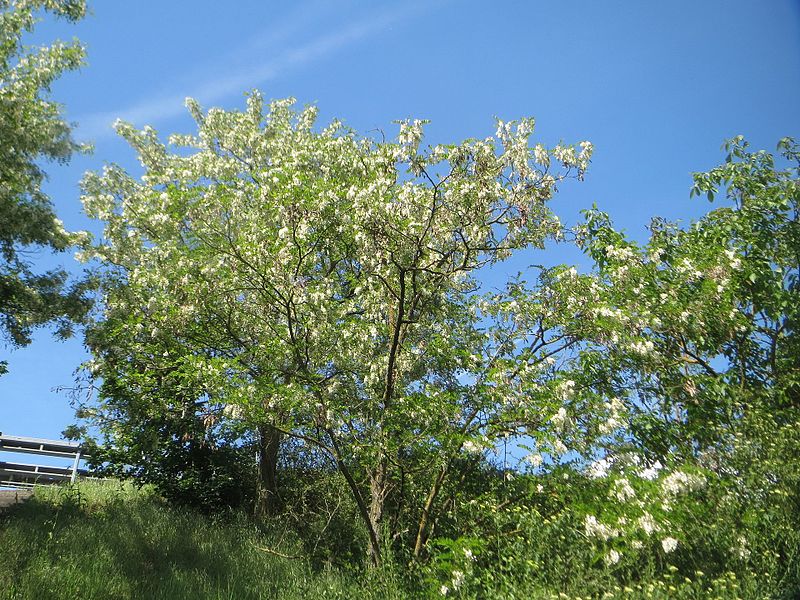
(612, 313)
(566, 390)
(471, 447)
(669, 544)
(599, 468)
(457, 579)
(655, 254)
(621, 253)
(643, 348)
(233, 411)
(559, 448)
(686, 267)
(614, 420)
(559, 420)
(534, 459)
(741, 549)
(504, 131)
(651, 472)
(647, 523)
(587, 149)
(570, 273)
(594, 528)
(678, 482)
(568, 157)
(541, 156)
(410, 132)
(622, 490)
(565, 154)
(733, 259)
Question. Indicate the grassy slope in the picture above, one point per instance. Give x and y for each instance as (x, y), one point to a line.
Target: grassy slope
(113, 541)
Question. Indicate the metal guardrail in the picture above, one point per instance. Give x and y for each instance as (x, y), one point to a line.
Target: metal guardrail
(25, 475)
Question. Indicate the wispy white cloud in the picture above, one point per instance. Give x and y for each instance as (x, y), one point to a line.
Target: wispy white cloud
(97, 126)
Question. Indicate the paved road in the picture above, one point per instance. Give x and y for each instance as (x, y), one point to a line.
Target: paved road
(11, 497)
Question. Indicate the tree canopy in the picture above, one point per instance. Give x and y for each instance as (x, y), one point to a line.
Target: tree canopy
(323, 283)
(32, 130)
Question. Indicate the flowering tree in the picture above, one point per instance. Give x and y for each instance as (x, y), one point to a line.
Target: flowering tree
(31, 129)
(699, 324)
(321, 284)
(684, 353)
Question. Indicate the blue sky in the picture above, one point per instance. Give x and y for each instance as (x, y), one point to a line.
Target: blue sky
(656, 86)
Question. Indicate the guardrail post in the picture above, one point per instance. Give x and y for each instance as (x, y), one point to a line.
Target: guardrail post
(75, 467)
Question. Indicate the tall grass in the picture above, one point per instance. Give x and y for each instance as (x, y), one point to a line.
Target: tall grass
(110, 540)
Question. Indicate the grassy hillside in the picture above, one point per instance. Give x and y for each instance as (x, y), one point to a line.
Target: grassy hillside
(108, 540)
(112, 541)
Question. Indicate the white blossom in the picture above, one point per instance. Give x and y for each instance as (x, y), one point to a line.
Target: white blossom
(594, 528)
(540, 155)
(233, 411)
(647, 523)
(642, 347)
(679, 482)
(621, 253)
(471, 447)
(458, 579)
(534, 459)
(651, 472)
(622, 490)
(559, 447)
(599, 468)
(741, 550)
(733, 259)
(669, 544)
(560, 418)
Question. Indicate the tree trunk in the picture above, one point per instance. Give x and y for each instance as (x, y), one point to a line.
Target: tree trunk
(374, 553)
(378, 488)
(425, 517)
(267, 485)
